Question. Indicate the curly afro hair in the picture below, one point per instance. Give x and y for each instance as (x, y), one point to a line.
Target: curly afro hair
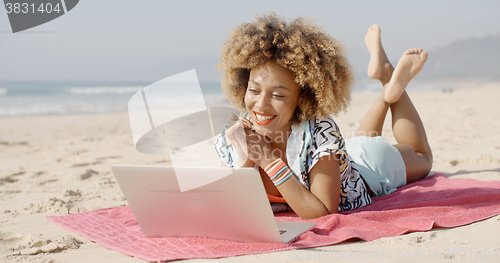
(317, 61)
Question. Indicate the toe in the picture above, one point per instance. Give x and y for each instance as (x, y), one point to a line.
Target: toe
(374, 27)
(424, 55)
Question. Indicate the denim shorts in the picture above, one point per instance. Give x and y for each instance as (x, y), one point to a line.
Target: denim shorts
(379, 163)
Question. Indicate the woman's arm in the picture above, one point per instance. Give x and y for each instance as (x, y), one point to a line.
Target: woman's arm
(324, 194)
(324, 178)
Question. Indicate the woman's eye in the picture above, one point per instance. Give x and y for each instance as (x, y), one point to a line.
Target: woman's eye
(278, 96)
(253, 90)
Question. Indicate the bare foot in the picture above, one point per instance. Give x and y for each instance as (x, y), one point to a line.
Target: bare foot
(379, 66)
(409, 65)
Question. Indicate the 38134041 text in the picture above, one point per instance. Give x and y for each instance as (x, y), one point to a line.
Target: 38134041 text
(24, 8)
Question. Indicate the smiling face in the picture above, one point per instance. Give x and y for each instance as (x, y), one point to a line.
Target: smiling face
(271, 98)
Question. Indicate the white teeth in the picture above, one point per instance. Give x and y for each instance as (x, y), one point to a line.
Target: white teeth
(263, 118)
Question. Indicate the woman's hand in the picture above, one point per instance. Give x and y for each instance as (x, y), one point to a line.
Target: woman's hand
(252, 148)
(260, 150)
(237, 136)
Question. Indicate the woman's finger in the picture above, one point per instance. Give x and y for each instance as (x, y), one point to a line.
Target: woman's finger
(240, 147)
(234, 120)
(253, 137)
(237, 135)
(248, 124)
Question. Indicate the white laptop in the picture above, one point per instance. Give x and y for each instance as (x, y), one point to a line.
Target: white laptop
(233, 208)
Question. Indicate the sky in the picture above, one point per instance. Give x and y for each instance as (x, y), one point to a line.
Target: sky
(144, 41)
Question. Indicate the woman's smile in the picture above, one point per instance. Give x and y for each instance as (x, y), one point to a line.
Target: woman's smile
(263, 119)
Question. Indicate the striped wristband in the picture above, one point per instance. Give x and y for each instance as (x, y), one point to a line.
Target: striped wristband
(278, 171)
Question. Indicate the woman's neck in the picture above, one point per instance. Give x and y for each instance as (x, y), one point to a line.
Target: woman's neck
(279, 139)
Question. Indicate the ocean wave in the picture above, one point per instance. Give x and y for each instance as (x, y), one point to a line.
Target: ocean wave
(102, 90)
(61, 110)
(3, 91)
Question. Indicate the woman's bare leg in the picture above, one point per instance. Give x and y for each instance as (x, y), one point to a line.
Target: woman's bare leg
(406, 124)
(381, 69)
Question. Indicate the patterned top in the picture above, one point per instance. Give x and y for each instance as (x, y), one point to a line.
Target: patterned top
(307, 143)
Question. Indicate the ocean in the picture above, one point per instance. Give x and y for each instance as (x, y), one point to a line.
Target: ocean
(56, 98)
(53, 98)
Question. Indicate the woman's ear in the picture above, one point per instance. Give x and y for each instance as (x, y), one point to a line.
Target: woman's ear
(301, 96)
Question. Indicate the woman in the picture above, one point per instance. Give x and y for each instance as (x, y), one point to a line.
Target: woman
(287, 79)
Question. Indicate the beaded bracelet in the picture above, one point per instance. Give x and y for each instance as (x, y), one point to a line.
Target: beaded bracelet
(278, 171)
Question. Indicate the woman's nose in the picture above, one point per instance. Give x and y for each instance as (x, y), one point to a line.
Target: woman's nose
(263, 101)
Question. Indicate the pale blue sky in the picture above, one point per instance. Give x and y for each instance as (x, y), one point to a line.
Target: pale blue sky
(123, 40)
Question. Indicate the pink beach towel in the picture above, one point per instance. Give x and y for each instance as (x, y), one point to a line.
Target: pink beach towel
(436, 201)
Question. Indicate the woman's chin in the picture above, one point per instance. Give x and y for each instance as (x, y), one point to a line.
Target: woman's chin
(261, 130)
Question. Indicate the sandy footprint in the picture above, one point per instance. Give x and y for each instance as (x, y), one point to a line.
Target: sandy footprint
(53, 205)
(13, 238)
(42, 183)
(12, 177)
(103, 158)
(12, 241)
(84, 163)
(30, 245)
(87, 174)
(418, 237)
(7, 143)
(8, 180)
(38, 174)
(485, 159)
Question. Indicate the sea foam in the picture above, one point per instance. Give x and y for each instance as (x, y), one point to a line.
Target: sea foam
(102, 90)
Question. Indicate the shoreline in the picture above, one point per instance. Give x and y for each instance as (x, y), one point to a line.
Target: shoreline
(52, 105)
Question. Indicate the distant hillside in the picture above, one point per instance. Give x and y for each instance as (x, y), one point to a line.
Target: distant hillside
(475, 59)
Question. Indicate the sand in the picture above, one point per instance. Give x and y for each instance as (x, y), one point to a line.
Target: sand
(55, 165)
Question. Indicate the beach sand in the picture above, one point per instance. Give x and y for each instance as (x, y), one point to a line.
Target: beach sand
(55, 165)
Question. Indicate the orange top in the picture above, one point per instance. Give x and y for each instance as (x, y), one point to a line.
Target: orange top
(276, 199)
